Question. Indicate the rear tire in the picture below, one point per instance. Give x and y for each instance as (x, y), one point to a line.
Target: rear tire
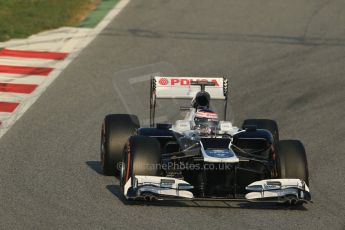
(141, 156)
(292, 160)
(116, 130)
(267, 124)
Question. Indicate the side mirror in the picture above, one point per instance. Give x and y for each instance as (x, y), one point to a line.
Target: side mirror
(182, 126)
(225, 127)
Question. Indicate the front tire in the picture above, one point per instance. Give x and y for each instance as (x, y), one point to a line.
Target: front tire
(141, 156)
(116, 129)
(292, 160)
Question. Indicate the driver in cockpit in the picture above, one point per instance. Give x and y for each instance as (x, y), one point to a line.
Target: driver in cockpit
(206, 121)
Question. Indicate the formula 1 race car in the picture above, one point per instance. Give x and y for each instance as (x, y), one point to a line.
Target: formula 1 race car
(202, 157)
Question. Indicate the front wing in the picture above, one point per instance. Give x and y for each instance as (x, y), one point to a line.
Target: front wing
(291, 191)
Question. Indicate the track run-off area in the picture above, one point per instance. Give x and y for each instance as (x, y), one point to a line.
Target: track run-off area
(284, 61)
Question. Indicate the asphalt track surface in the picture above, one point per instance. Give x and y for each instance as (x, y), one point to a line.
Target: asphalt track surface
(285, 60)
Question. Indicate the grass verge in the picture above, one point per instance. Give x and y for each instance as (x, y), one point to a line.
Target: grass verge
(21, 18)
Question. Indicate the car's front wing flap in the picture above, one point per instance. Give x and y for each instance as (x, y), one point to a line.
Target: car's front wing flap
(278, 190)
(159, 187)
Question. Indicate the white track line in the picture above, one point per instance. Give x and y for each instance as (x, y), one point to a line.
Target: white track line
(22, 79)
(4, 116)
(31, 62)
(13, 97)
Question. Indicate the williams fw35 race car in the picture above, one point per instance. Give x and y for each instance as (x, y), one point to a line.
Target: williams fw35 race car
(202, 157)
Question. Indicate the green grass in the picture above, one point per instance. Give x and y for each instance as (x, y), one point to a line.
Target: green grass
(21, 18)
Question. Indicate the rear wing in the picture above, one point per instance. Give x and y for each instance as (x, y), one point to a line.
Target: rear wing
(168, 87)
(182, 87)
